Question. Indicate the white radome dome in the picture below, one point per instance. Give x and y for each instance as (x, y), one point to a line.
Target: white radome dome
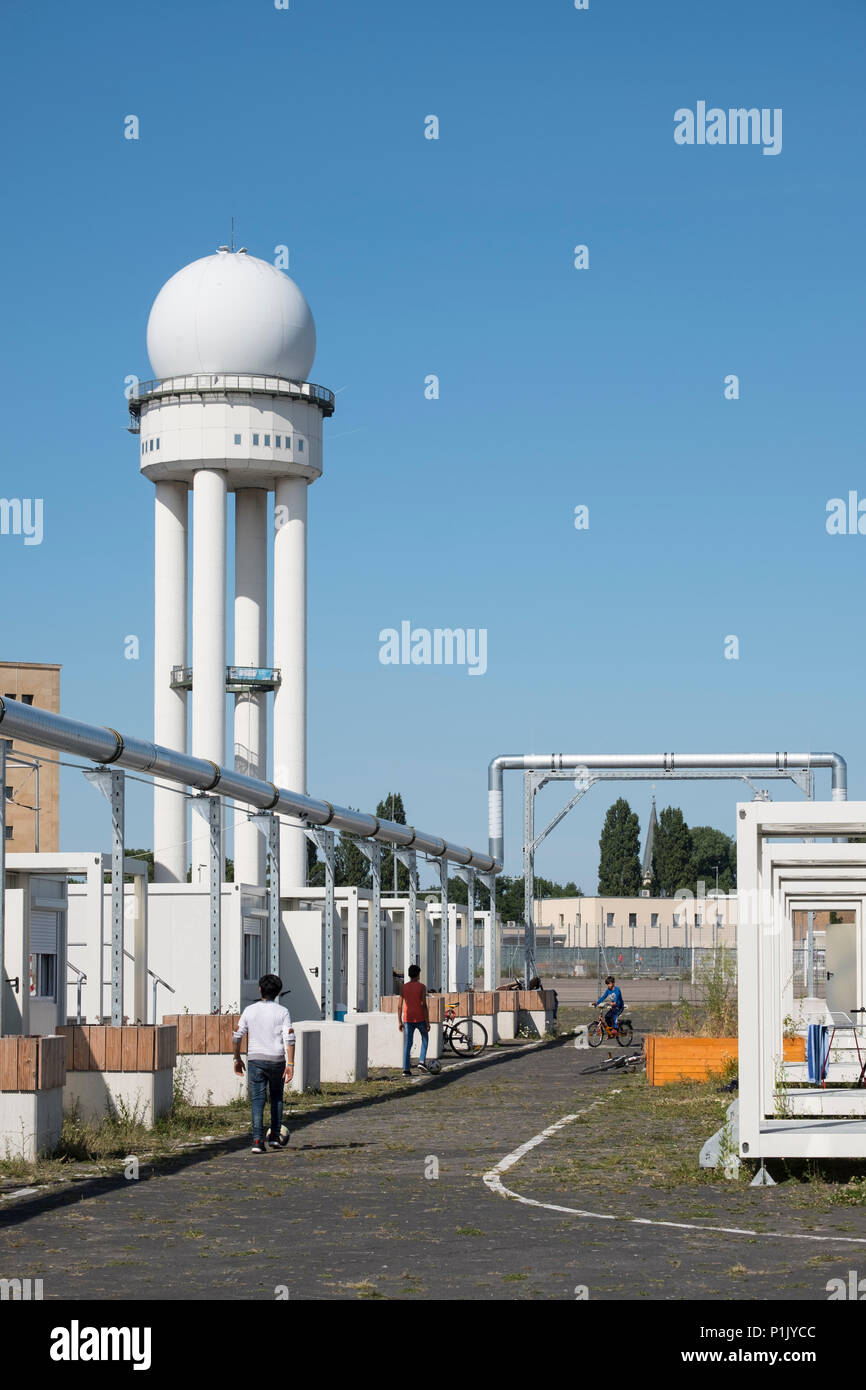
(231, 312)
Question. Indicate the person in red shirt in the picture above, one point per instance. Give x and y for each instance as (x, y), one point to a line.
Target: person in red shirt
(414, 1014)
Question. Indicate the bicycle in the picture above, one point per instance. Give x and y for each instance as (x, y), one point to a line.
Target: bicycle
(633, 1063)
(465, 1036)
(601, 1029)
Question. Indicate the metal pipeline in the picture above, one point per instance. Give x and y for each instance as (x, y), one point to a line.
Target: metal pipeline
(661, 762)
(109, 747)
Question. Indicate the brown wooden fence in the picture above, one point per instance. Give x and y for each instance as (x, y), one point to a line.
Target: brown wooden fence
(204, 1033)
(32, 1064)
(139, 1047)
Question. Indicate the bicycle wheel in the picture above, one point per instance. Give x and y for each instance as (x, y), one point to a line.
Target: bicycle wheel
(609, 1064)
(624, 1034)
(595, 1033)
(468, 1037)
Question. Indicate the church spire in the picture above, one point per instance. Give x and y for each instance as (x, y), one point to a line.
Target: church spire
(648, 848)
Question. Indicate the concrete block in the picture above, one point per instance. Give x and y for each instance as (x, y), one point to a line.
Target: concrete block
(537, 1021)
(343, 1055)
(581, 1036)
(30, 1122)
(210, 1080)
(489, 1022)
(385, 1041)
(147, 1093)
(308, 1061)
(507, 1026)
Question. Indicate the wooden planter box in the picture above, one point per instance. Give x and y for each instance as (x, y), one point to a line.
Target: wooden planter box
(463, 1003)
(693, 1058)
(32, 1064)
(204, 1034)
(99, 1047)
(485, 1002)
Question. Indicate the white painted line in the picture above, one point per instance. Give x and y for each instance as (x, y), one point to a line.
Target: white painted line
(495, 1183)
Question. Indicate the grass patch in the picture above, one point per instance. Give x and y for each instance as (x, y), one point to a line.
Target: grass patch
(645, 1140)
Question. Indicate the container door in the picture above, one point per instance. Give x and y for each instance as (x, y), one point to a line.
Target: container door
(843, 994)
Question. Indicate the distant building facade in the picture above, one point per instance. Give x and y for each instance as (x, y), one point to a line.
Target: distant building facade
(33, 794)
(639, 922)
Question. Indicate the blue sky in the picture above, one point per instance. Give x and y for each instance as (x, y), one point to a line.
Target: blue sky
(558, 387)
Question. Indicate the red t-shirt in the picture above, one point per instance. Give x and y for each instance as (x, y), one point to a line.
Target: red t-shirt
(413, 1002)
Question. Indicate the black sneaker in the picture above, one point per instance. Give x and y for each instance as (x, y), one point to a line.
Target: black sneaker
(407, 1073)
(281, 1141)
(258, 1146)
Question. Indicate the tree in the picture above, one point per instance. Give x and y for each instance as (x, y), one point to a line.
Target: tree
(672, 852)
(392, 809)
(619, 868)
(146, 854)
(711, 848)
(509, 894)
(352, 867)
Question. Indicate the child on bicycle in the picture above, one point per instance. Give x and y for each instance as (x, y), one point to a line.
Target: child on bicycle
(614, 993)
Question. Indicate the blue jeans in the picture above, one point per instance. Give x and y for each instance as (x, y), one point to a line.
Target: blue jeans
(408, 1038)
(264, 1078)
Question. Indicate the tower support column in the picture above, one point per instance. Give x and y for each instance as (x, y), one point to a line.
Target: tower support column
(170, 840)
(208, 636)
(290, 657)
(250, 724)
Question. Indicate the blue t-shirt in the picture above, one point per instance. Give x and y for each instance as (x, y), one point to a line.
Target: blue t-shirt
(615, 995)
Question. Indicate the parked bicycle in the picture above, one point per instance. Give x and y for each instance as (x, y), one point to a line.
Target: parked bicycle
(601, 1029)
(465, 1036)
(634, 1062)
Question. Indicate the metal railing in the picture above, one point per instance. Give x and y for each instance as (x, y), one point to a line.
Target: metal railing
(238, 678)
(212, 383)
(80, 981)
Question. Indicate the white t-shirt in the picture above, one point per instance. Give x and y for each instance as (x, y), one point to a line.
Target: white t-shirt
(269, 1028)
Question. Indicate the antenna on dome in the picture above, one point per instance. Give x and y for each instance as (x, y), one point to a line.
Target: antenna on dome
(233, 234)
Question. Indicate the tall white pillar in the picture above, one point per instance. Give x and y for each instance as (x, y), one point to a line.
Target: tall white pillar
(251, 610)
(290, 656)
(170, 843)
(208, 637)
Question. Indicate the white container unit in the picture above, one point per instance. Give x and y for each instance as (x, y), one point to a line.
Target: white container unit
(787, 861)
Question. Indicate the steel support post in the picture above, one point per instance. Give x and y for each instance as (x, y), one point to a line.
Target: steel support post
(324, 840)
(118, 818)
(372, 850)
(810, 955)
(214, 807)
(210, 808)
(411, 943)
(528, 874)
(446, 982)
(274, 893)
(489, 947)
(468, 877)
(4, 750)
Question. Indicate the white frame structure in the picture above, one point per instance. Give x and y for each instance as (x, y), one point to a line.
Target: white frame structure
(780, 868)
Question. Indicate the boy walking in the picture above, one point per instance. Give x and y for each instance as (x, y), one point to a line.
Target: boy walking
(270, 1059)
(414, 1014)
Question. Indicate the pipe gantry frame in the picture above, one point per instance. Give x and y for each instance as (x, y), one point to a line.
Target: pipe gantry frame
(113, 751)
(588, 768)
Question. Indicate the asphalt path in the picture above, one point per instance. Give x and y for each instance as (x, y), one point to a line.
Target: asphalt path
(387, 1199)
